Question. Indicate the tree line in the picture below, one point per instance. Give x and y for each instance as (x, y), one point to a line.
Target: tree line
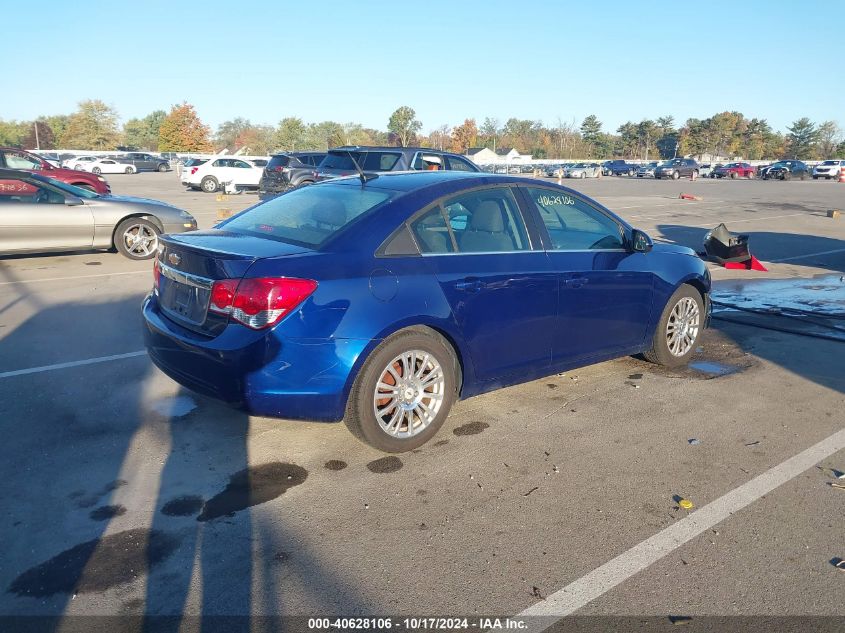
(96, 126)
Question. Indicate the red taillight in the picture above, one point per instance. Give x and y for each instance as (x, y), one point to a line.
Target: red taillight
(156, 274)
(259, 303)
(194, 170)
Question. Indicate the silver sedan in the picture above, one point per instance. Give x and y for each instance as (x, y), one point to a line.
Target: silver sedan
(39, 214)
(583, 170)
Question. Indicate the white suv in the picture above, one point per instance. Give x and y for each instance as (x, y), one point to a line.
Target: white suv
(828, 169)
(218, 172)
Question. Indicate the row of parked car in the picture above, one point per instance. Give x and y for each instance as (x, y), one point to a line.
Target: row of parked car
(285, 171)
(689, 168)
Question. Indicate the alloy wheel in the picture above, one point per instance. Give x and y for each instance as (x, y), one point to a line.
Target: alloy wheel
(683, 326)
(409, 394)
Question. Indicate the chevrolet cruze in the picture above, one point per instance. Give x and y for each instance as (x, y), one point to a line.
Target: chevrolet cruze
(381, 300)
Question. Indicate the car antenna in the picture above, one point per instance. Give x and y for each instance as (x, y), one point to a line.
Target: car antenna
(364, 177)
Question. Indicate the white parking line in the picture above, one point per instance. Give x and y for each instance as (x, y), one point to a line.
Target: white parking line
(32, 281)
(601, 580)
(819, 254)
(74, 363)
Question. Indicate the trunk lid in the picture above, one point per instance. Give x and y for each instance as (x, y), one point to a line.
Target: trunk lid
(190, 263)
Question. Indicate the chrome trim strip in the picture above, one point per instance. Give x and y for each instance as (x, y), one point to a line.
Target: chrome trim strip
(185, 278)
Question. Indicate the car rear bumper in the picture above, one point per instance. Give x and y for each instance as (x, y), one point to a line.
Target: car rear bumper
(258, 371)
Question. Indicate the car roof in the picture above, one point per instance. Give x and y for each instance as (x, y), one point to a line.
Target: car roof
(404, 181)
(388, 148)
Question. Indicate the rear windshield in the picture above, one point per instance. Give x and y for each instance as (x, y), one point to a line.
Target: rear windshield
(308, 216)
(369, 161)
(279, 161)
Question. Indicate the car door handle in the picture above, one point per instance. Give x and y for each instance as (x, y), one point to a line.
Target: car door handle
(576, 282)
(469, 285)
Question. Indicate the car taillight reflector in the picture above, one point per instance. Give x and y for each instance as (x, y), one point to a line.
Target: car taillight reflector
(156, 274)
(259, 303)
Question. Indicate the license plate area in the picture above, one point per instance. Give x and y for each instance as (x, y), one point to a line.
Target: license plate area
(184, 296)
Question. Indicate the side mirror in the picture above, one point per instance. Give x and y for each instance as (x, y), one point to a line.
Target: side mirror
(73, 201)
(640, 241)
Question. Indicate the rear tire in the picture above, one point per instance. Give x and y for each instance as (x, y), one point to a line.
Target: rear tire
(435, 370)
(679, 328)
(129, 170)
(96, 171)
(209, 184)
(162, 167)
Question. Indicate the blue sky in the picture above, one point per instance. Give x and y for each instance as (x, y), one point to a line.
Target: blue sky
(358, 61)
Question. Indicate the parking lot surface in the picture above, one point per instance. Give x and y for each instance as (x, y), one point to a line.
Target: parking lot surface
(124, 493)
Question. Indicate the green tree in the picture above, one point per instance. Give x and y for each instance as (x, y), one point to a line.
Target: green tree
(58, 123)
(12, 132)
(647, 136)
(802, 138)
(143, 133)
(629, 140)
(290, 135)
(183, 131)
(491, 131)
(829, 137)
(592, 135)
(404, 125)
(229, 131)
(92, 126)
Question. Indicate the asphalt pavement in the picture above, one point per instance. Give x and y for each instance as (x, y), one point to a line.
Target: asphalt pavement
(124, 493)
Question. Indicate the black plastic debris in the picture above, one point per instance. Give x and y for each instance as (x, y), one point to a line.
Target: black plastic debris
(722, 246)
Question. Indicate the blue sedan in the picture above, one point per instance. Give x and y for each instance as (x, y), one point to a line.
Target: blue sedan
(382, 300)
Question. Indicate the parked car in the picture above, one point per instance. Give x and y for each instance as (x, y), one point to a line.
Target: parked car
(39, 214)
(107, 166)
(287, 171)
(339, 161)
(384, 301)
(677, 168)
(11, 158)
(828, 169)
(647, 170)
(143, 161)
(210, 175)
(787, 170)
(189, 167)
(706, 170)
(50, 157)
(583, 170)
(554, 171)
(79, 162)
(619, 168)
(735, 170)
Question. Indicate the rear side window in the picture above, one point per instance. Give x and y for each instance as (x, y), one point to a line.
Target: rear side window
(279, 161)
(482, 221)
(370, 161)
(459, 164)
(308, 216)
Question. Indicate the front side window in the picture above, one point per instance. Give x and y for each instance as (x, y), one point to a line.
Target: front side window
(308, 216)
(16, 160)
(14, 190)
(222, 162)
(573, 224)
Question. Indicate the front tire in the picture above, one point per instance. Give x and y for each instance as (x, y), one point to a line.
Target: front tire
(675, 175)
(96, 171)
(136, 238)
(679, 328)
(404, 391)
(209, 184)
(129, 170)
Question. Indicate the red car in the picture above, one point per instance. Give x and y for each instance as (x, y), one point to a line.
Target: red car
(12, 158)
(735, 170)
